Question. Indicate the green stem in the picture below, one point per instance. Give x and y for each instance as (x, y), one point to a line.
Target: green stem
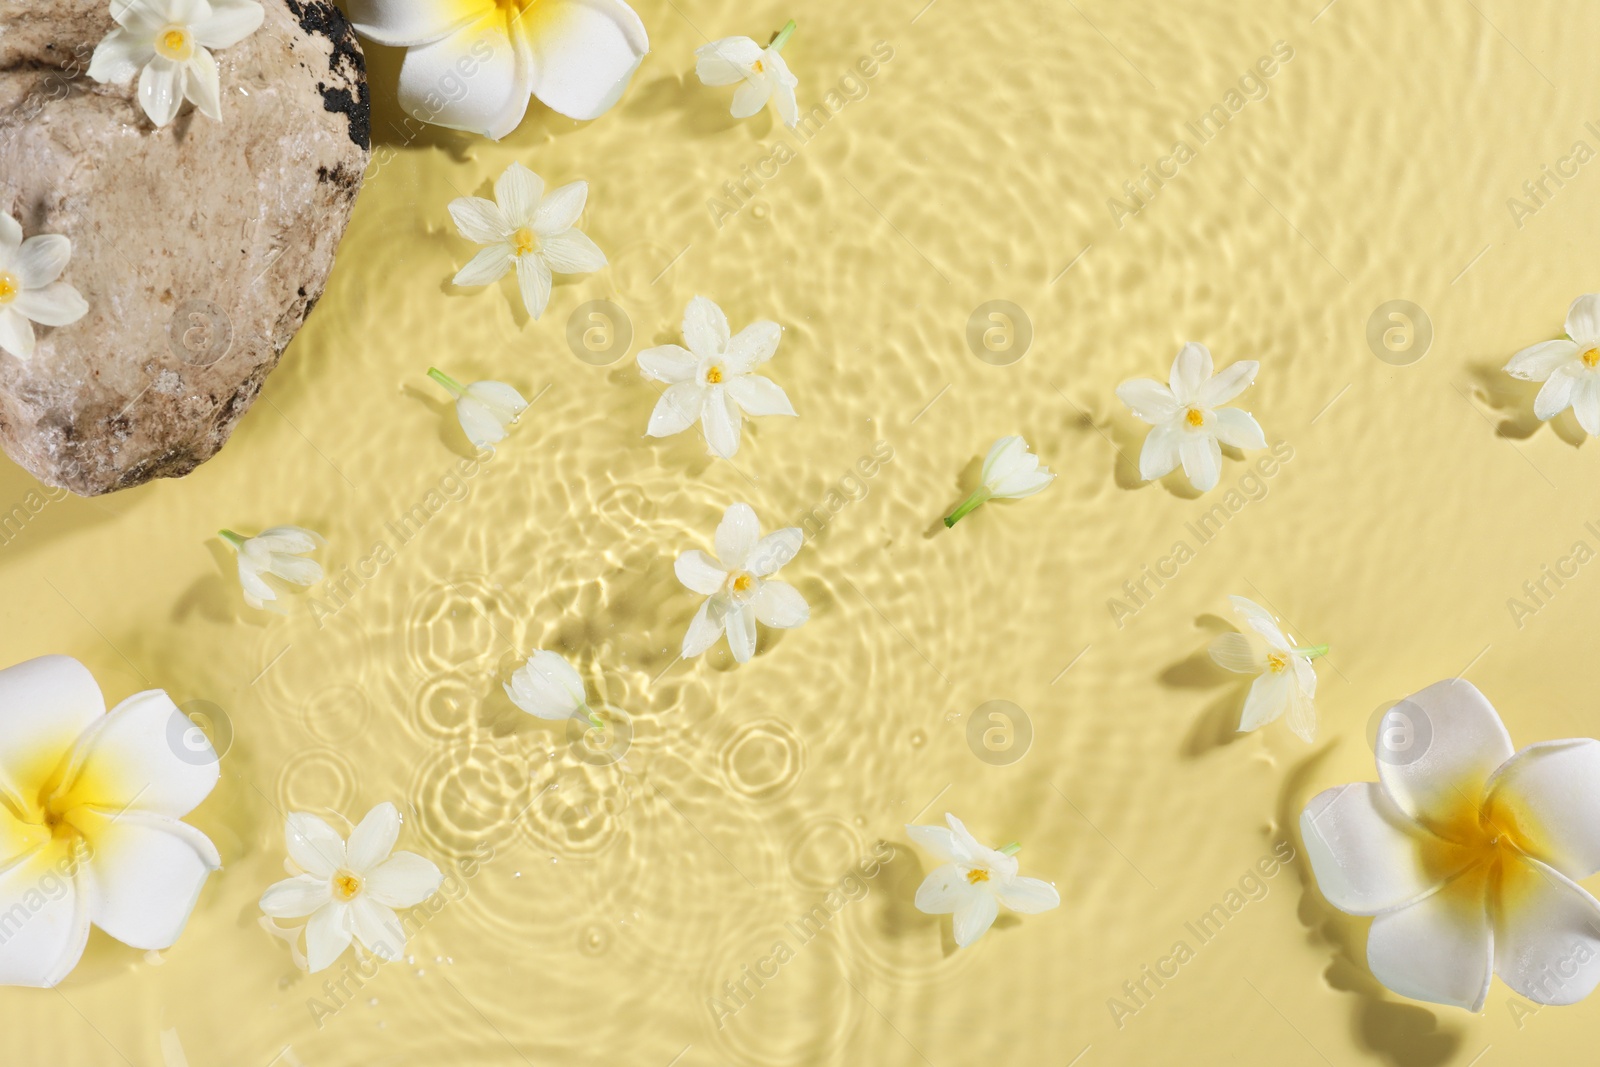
(590, 714)
(232, 538)
(445, 380)
(781, 38)
(968, 506)
(1313, 651)
(1011, 849)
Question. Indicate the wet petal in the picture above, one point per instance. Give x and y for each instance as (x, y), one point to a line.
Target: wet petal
(517, 193)
(774, 550)
(161, 90)
(1438, 949)
(328, 935)
(1028, 896)
(937, 840)
(720, 425)
(704, 629)
(668, 363)
(1191, 368)
(408, 23)
(491, 101)
(145, 872)
(1227, 384)
(677, 410)
(559, 210)
(741, 628)
(584, 53)
(1368, 855)
(314, 846)
(1555, 396)
(705, 328)
(1466, 743)
(737, 535)
(41, 259)
(945, 890)
(297, 897)
(1547, 798)
(489, 265)
(1238, 429)
(1148, 399)
(143, 755)
(533, 279)
(45, 945)
(378, 928)
(373, 838)
(571, 252)
(973, 919)
(780, 605)
(45, 705)
(1583, 320)
(726, 61)
(1202, 459)
(753, 346)
(1159, 456)
(699, 572)
(480, 220)
(1537, 362)
(404, 880)
(1268, 698)
(1546, 944)
(758, 395)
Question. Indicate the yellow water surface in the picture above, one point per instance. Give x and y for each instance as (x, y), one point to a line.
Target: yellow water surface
(723, 877)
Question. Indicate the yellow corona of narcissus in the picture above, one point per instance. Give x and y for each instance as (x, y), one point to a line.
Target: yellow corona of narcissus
(1466, 854)
(473, 64)
(89, 823)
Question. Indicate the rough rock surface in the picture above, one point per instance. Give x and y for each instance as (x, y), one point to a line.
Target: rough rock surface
(200, 248)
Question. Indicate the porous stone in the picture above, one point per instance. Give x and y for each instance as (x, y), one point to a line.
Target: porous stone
(200, 248)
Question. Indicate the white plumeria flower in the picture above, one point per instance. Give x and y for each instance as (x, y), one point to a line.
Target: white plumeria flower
(1569, 369)
(1466, 855)
(526, 228)
(972, 881)
(711, 381)
(740, 586)
(1190, 423)
(29, 291)
(350, 889)
(1010, 472)
(487, 410)
(548, 687)
(91, 830)
(472, 64)
(762, 70)
(1286, 682)
(277, 552)
(166, 43)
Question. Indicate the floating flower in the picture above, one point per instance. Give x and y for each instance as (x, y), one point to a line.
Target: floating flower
(1466, 855)
(350, 889)
(1010, 472)
(1190, 423)
(277, 552)
(526, 228)
(29, 292)
(711, 381)
(166, 43)
(487, 410)
(1569, 369)
(1286, 682)
(91, 817)
(973, 881)
(472, 64)
(764, 73)
(739, 585)
(547, 686)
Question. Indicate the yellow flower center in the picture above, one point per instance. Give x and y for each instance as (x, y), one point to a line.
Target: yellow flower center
(743, 583)
(1591, 357)
(976, 875)
(1276, 662)
(524, 241)
(346, 885)
(9, 287)
(174, 42)
(1195, 417)
(758, 68)
(714, 375)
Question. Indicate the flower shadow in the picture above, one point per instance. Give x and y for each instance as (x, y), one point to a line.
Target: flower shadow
(702, 111)
(216, 597)
(1217, 726)
(1403, 1034)
(448, 426)
(1512, 399)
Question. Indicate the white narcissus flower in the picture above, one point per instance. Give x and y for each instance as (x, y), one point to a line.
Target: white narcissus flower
(1286, 682)
(740, 586)
(90, 822)
(277, 552)
(528, 229)
(29, 291)
(762, 70)
(487, 410)
(972, 881)
(1466, 855)
(350, 888)
(472, 64)
(1569, 369)
(1010, 472)
(166, 43)
(1190, 423)
(549, 687)
(711, 381)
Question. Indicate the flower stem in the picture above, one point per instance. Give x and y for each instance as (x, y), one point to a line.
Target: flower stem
(1313, 651)
(589, 713)
(967, 507)
(232, 538)
(445, 380)
(781, 38)
(1011, 849)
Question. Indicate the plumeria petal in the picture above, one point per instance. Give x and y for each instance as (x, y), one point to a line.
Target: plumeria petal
(1202, 460)
(146, 872)
(43, 949)
(973, 919)
(677, 410)
(571, 252)
(407, 23)
(559, 211)
(699, 572)
(737, 536)
(1546, 934)
(128, 760)
(1537, 362)
(1547, 798)
(491, 102)
(1440, 948)
(1239, 428)
(780, 605)
(1227, 383)
(315, 847)
(373, 838)
(1368, 855)
(1190, 369)
(328, 934)
(297, 897)
(1445, 784)
(45, 705)
(1148, 399)
(668, 363)
(584, 52)
(403, 880)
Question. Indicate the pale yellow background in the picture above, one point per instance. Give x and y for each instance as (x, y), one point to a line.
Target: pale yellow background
(976, 167)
